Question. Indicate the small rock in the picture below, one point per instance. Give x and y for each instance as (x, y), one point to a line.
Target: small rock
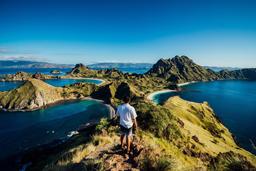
(195, 138)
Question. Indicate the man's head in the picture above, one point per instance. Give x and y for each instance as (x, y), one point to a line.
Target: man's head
(126, 99)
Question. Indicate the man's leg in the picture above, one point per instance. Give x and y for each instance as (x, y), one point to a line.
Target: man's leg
(128, 141)
(122, 140)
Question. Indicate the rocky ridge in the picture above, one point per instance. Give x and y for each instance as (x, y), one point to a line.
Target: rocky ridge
(182, 69)
(35, 94)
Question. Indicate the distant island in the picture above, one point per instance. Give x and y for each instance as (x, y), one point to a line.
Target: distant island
(22, 64)
(120, 65)
(8, 64)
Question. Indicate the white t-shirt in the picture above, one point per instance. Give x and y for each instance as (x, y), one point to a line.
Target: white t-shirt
(126, 113)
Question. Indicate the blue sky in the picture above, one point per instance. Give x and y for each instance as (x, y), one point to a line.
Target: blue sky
(211, 32)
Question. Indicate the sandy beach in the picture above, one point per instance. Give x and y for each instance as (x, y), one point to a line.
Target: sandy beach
(82, 78)
(186, 83)
(151, 95)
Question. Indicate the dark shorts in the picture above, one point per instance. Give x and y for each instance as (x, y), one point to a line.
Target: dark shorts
(125, 131)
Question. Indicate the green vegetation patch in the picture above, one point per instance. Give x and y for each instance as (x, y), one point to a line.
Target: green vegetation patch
(157, 120)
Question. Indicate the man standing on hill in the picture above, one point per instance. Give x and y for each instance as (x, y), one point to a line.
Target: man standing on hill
(128, 116)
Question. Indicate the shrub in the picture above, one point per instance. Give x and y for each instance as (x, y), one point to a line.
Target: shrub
(154, 163)
(213, 129)
(93, 165)
(157, 120)
(103, 124)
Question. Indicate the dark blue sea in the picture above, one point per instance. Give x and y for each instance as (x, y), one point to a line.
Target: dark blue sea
(234, 102)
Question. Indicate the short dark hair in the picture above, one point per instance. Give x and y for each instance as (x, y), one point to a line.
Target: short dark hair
(126, 99)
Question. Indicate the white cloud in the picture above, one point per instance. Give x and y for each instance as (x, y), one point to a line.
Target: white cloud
(3, 50)
(23, 58)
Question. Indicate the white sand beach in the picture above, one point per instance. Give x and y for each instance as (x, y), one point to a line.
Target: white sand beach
(151, 95)
(186, 83)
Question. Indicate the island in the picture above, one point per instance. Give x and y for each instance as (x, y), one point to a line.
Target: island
(178, 135)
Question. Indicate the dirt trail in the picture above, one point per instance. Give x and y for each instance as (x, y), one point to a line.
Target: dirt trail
(114, 158)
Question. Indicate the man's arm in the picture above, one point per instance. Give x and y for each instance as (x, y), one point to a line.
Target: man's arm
(135, 123)
(134, 116)
(117, 112)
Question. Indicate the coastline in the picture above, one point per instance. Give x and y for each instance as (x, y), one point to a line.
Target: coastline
(151, 95)
(186, 83)
(62, 78)
(82, 78)
(58, 102)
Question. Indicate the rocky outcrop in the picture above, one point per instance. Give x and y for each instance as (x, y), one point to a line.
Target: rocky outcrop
(181, 69)
(33, 94)
(19, 76)
(105, 93)
(115, 90)
(124, 89)
(81, 69)
(111, 73)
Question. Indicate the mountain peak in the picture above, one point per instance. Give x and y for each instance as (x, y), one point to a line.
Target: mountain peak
(36, 83)
(79, 68)
(182, 58)
(80, 65)
(181, 69)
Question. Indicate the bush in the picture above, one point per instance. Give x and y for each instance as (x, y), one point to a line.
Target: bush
(240, 165)
(213, 129)
(93, 165)
(103, 124)
(157, 120)
(154, 163)
(230, 161)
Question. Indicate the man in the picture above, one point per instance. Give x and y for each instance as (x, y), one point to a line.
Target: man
(128, 116)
